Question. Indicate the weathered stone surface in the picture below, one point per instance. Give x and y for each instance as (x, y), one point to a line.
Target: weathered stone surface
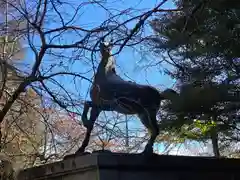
(111, 166)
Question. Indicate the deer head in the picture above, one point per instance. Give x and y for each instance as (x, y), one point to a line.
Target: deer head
(107, 63)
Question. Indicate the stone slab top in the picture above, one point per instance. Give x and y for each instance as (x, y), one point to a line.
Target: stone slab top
(132, 162)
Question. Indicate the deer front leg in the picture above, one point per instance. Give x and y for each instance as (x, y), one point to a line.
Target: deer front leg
(87, 105)
(93, 116)
(90, 104)
(94, 113)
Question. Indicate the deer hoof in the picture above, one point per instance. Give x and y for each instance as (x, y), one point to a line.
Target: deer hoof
(148, 150)
(102, 151)
(70, 156)
(81, 152)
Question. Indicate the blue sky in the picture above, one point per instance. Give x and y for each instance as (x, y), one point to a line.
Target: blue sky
(128, 65)
(126, 60)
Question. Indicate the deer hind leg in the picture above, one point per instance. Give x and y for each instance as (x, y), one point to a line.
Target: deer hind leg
(148, 118)
(94, 113)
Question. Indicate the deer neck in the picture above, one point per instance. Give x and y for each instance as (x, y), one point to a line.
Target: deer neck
(106, 65)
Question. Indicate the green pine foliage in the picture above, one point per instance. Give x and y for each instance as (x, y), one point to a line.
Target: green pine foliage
(202, 42)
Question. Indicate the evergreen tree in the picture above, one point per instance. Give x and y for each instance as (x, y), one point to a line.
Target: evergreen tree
(202, 42)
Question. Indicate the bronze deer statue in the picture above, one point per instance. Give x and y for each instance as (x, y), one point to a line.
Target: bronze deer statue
(109, 92)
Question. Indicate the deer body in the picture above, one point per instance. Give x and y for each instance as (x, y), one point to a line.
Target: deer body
(110, 92)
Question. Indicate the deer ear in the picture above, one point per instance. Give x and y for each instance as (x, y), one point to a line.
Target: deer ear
(101, 46)
(111, 43)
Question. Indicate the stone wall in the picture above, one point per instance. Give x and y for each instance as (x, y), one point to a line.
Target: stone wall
(115, 166)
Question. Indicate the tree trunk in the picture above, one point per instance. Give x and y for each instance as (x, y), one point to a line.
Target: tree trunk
(214, 138)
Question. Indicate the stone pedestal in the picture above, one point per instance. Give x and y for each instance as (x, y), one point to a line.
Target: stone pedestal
(115, 166)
